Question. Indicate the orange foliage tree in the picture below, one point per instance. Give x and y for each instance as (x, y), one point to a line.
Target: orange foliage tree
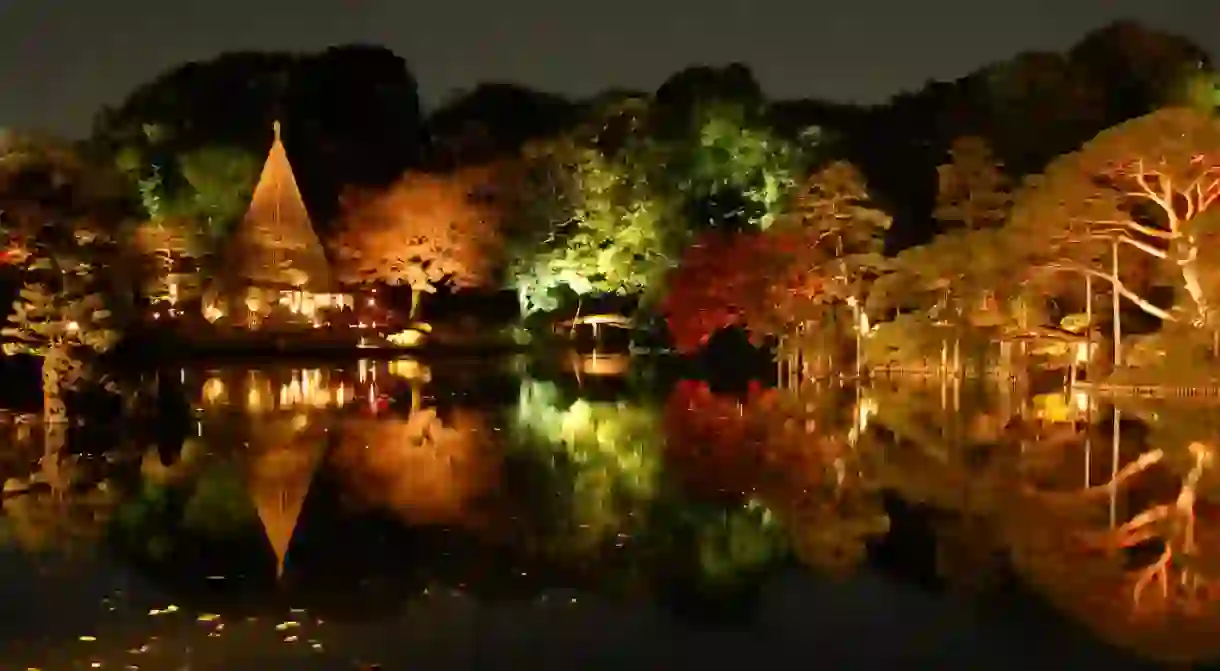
(1149, 186)
(423, 231)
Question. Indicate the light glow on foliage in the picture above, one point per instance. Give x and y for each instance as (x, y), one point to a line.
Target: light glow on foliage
(612, 241)
(749, 159)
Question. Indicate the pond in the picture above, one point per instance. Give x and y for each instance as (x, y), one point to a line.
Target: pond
(475, 514)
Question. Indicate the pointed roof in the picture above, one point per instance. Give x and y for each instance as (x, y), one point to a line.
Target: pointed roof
(279, 482)
(275, 243)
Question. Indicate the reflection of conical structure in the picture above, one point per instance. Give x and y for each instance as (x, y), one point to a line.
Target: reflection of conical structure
(279, 480)
(275, 245)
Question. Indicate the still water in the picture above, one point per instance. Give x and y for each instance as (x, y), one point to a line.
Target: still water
(478, 515)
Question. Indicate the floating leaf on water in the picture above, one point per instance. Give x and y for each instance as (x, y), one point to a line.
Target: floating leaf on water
(287, 625)
(208, 617)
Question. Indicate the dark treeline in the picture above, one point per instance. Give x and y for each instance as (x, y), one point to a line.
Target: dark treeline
(352, 114)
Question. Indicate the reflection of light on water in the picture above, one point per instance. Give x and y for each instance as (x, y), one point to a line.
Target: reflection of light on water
(576, 418)
(601, 365)
(406, 338)
(1059, 407)
(305, 388)
(308, 388)
(362, 370)
(865, 409)
(253, 400)
(1081, 400)
(409, 369)
(213, 390)
(1083, 353)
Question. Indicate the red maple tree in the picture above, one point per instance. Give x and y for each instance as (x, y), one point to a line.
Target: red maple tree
(721, 281)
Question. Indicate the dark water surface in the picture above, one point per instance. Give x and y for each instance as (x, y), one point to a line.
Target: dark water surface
(478, 516)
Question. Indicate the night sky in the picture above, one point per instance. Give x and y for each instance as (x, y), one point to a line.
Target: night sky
(61, 59)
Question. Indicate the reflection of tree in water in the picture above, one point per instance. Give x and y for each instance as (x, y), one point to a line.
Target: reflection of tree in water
(57, 502)
(423, 470)
(229, 507)
(601, 501)
(43, 520)
(602, 462)
(958, 466)
(794, 454)
(1148, 579)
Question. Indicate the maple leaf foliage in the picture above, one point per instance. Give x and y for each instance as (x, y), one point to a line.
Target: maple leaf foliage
(423, 230)
(718, 283)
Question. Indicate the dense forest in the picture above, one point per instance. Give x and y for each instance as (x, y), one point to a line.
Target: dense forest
(1012, 206)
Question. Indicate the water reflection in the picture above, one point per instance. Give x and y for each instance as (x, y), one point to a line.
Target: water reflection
(425, 470)
(385, 481)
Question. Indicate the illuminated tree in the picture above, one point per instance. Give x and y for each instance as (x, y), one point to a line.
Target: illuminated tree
(1146, 185)
(721, 281)
(63, 311)
(1198, 88)
(605, 230)
(834, 254)
(425, 230)
(199, 194)
(733, 171)
(972, 188)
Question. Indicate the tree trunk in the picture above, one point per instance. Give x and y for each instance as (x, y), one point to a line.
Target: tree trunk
(415, 301)
(1118, 329)
(1088, 318)
(54, 410)
(54, 416)
(859, 327)
(1191, 275)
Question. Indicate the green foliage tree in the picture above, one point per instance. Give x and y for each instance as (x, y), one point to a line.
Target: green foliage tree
(732, 169)
(603, 229)
(201, 193)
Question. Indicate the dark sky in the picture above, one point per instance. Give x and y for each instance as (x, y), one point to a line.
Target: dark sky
(61, 59)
